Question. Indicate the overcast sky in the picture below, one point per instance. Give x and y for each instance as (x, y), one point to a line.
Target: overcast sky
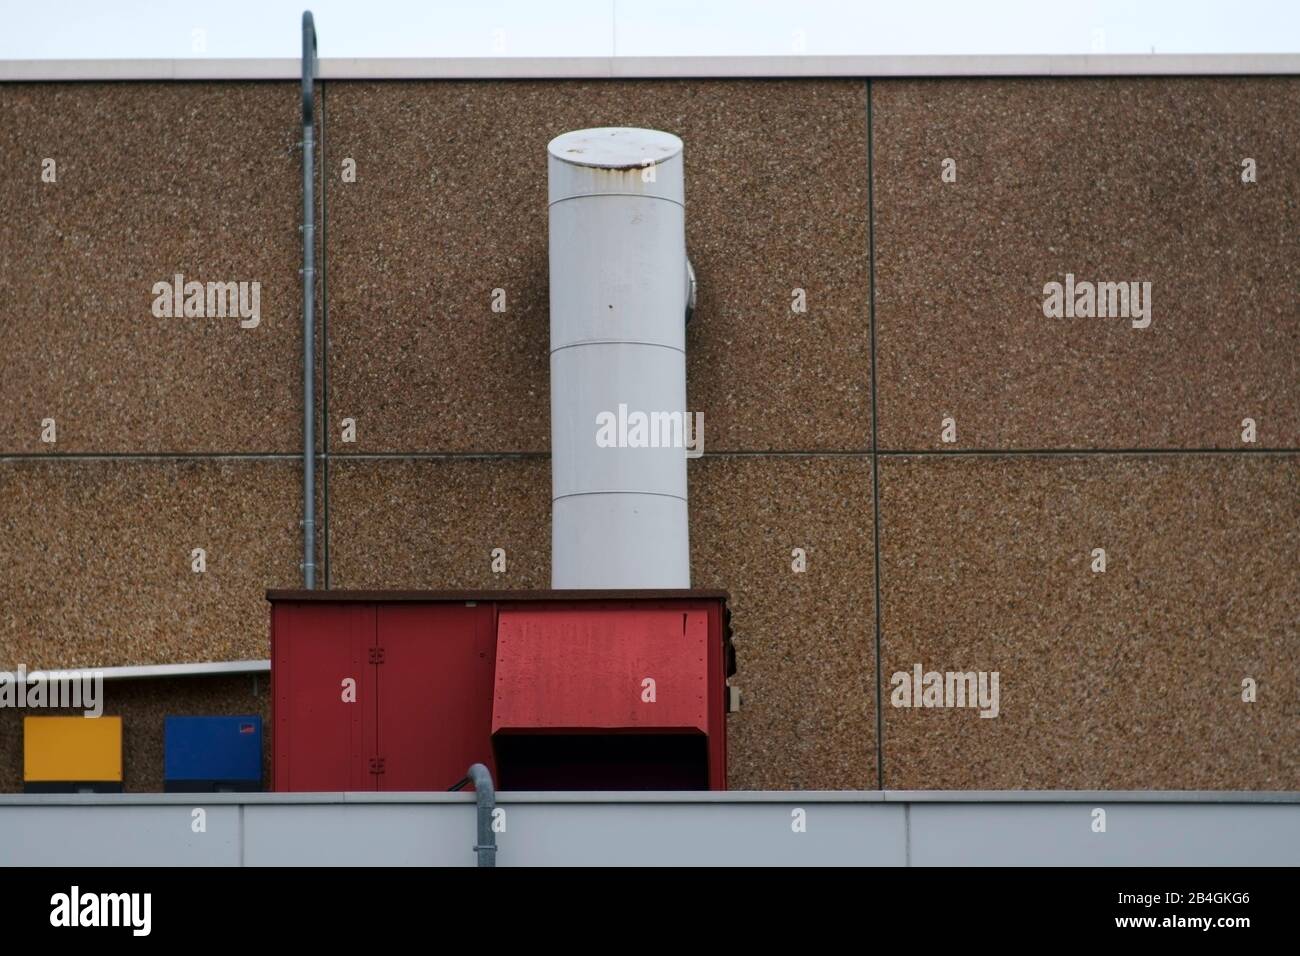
(109, 29)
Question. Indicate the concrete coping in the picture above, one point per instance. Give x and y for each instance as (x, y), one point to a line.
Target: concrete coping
(722, 797)
(645, 67)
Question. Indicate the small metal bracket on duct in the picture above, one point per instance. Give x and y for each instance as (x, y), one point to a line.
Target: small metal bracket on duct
(691, 289)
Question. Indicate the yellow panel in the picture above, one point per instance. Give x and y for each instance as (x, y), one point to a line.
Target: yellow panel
(72, 749)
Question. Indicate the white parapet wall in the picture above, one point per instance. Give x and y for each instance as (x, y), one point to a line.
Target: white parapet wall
(647, 67)
(919, 828)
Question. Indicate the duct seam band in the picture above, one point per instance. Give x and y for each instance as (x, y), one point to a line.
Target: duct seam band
(577, 345)
(618, 491)
(556, 202)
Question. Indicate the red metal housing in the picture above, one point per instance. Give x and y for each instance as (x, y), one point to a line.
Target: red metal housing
(387, 690)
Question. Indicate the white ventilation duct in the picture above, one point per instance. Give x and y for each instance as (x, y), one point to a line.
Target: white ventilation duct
(619, 294)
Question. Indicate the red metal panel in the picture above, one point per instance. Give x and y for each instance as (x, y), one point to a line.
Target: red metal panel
(572, 665)
(567, 668)
(719, 704)
(320, 740)
(435, 693)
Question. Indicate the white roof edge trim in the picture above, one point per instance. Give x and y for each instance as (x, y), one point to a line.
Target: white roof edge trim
(722, 798)
(634, 67)
(206, 669)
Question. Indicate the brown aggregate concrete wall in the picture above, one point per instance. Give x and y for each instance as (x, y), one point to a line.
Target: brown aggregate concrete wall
(1131, 678)
(1125, 679)
(1111, 180)
(804, 641)
(1111, 680)
(97, 567)
(152, 180)
(434, 523)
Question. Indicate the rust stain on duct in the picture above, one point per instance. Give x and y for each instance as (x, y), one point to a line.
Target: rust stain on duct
(622, 168)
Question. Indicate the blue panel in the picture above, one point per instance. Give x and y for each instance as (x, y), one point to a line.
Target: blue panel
(213, 748)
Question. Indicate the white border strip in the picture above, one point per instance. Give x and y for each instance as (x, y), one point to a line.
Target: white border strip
(667, 798)
(1197, 64)
(135, 672)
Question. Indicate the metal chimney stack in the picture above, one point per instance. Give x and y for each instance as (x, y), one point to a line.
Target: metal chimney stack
(619, 292)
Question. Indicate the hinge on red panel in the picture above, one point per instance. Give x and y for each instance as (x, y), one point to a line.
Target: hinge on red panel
(376, 655)
(376, 765)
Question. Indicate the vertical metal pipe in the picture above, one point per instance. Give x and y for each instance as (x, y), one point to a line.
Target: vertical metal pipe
(324, 443)
(308, 303)
(485, 799)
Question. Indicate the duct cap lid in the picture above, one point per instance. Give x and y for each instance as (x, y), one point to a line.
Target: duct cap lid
(615, 147)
